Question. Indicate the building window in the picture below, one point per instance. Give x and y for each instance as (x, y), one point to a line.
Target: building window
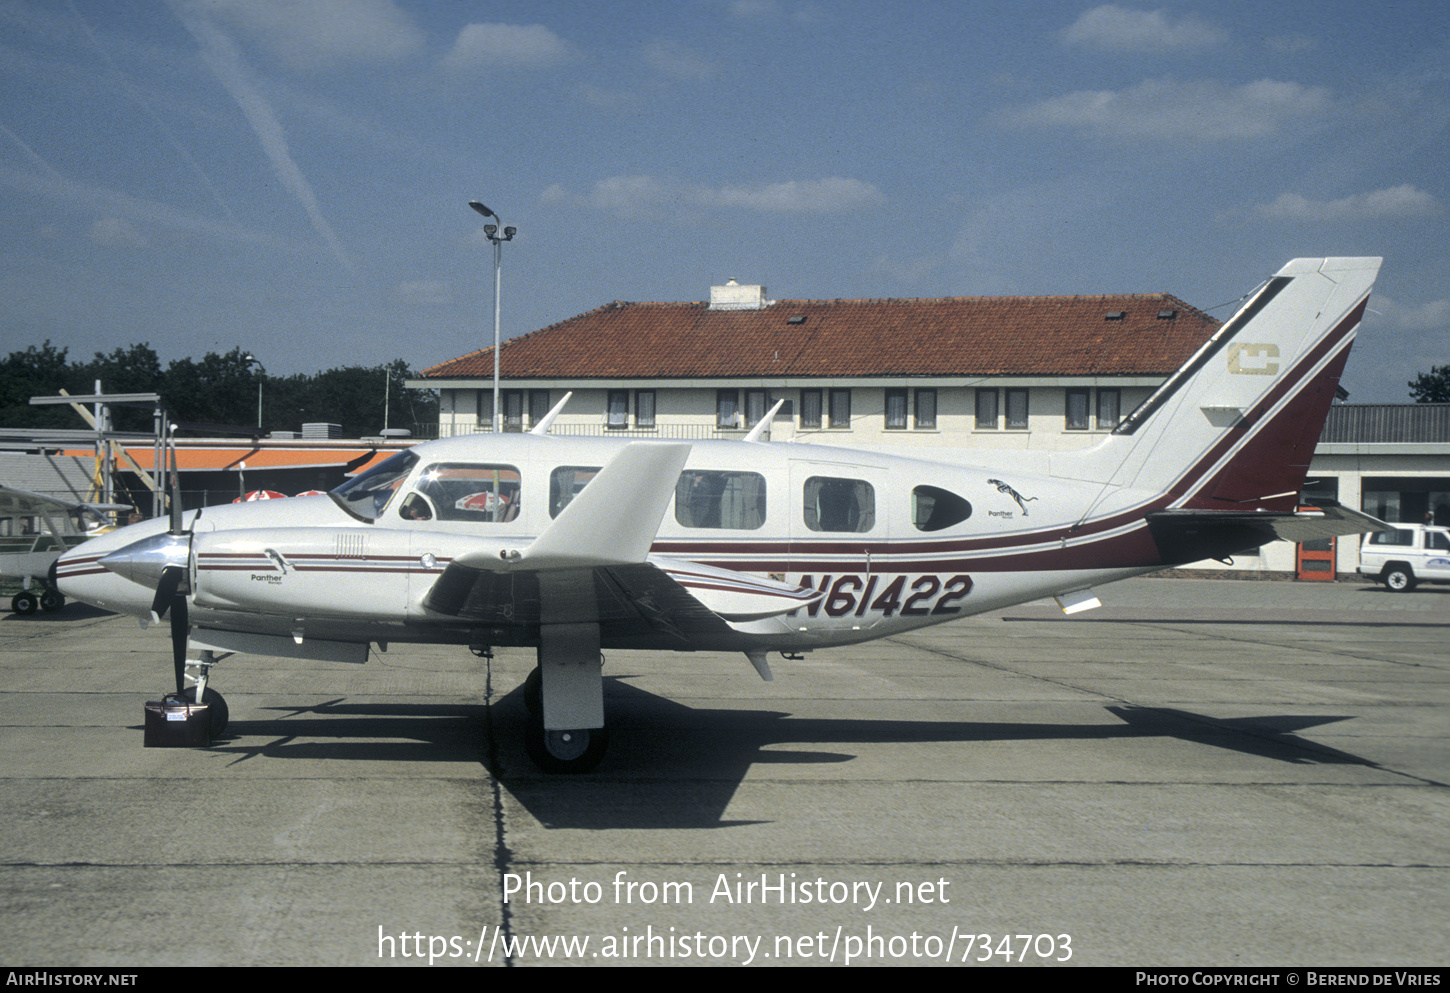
(485, 409)
(896, 410)
(644, 409)
(1017, 410)
(1110, 403)
(926, 410)
(755, 406)
(840, 408)
(513, 410)
(810, 408)
(618, 409)
(732, 500)
(538, 406)
(1077, 410)
(727, 409)
(986, 410)
(842, 505)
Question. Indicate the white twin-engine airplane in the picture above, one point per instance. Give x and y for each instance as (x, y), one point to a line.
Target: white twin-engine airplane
(573, 545)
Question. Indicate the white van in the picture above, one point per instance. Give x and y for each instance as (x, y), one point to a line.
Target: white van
(1409, 554)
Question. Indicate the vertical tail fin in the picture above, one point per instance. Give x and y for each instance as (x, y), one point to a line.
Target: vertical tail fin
(1236, 426)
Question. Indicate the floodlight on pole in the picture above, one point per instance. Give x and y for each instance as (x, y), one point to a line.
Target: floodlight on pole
(490, 231)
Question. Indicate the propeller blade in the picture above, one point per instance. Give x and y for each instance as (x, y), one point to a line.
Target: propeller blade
(166, 589)
(180, 629)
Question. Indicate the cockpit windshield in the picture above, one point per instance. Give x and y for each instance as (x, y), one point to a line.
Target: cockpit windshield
(366, 496)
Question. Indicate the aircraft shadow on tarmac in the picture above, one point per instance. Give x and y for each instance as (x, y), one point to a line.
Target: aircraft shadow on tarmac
(675, 766)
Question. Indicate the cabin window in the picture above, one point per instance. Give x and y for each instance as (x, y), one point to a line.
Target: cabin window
(896, 410)
(1077, 410)
(986, 410)
(567, 482)
(1110, 402)
(840, 408)
(933, 508)
(644, 409)
(926, 410)
(832, 504)
(468, 492)
(731, 500)
(810, 408)
(1017, 410)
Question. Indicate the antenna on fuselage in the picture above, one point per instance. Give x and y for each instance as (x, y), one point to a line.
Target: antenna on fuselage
(764, 422)
(543, 426)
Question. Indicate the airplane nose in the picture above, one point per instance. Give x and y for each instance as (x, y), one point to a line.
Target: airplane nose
(143, 561)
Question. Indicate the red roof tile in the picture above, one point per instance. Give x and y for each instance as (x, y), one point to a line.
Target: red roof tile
(954, 336)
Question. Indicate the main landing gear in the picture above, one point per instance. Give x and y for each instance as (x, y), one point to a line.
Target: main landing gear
(26, 603)
(565, 699)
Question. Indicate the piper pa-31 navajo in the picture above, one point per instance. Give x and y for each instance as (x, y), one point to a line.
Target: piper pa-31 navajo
(574, 545)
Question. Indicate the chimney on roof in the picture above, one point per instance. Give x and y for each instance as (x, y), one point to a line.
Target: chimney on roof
(733, 296)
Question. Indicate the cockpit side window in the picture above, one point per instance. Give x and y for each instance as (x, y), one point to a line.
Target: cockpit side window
(471, 492)
(367, 495)
(842, 505)
(933, 508)
(734, 500)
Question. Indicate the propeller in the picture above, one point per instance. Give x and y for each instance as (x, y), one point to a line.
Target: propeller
(171, 589)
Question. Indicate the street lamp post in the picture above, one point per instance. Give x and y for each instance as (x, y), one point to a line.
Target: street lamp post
(491, 232)
(261, 378)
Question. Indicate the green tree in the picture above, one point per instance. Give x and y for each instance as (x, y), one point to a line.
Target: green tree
(1432, 386)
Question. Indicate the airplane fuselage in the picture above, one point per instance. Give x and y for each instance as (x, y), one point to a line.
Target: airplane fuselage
(888, 543)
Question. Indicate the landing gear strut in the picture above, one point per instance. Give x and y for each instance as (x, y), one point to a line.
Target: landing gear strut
(565, 698)
(217, 711)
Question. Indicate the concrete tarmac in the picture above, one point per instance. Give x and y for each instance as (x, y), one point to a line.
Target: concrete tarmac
(1199, 773)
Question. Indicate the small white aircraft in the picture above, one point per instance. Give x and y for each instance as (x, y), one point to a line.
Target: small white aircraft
(572, 545)
(35, 530)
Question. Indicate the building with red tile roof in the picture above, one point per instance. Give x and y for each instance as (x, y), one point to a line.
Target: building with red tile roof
(1008, 371)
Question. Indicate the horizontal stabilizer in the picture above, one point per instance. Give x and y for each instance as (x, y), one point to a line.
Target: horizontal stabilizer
(1192, 535)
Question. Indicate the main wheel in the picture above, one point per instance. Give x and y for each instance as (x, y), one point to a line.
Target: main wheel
(51, 600)
(24, 603)
(1399, 579)
(217, 711)
(571, 751)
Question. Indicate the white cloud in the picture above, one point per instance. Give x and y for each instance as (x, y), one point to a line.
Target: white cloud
(423, 292)
(1435, 314)
(320, 33)
(1164, 108)
(1121, 29)
(649, 196)
(1395, 201)
(117, 232)
(508, 46)
(670, 58)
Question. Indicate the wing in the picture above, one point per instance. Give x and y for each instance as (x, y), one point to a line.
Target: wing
(592, 565)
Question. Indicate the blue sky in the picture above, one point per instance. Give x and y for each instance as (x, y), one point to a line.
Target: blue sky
(292, 177)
